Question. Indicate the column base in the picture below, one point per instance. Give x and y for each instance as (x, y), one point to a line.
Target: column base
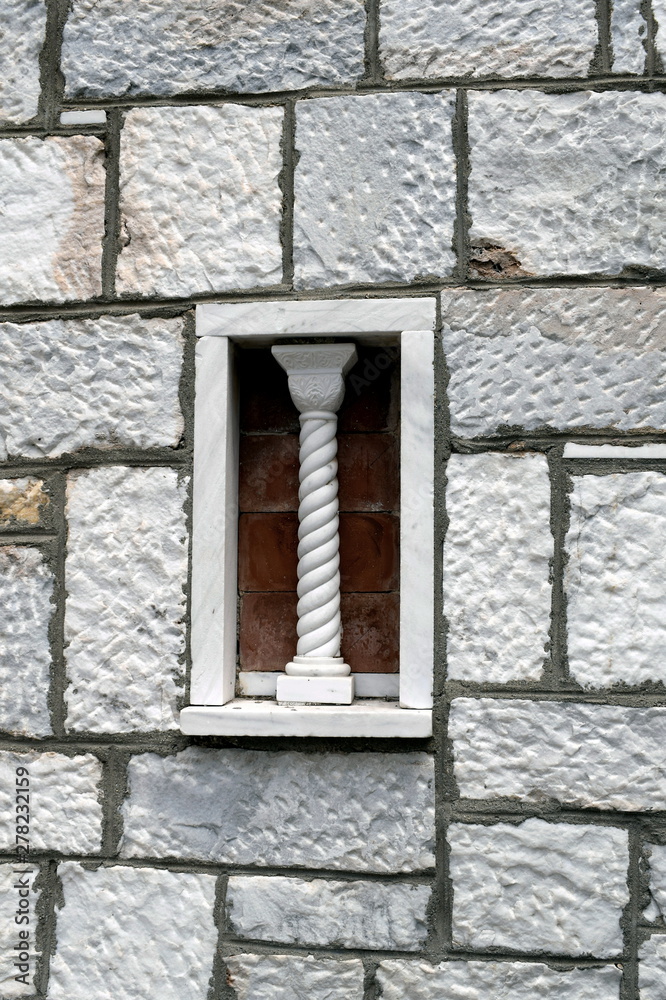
(318, 666)
(315, 690)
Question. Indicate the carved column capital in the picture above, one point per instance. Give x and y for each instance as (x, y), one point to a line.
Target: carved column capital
(316, 373)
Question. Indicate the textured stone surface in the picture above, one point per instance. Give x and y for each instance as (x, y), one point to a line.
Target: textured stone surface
(594, 756)
(65, 811)
(579, 189)
(657, 862)
(365, 812)
(147, 933)
(106, 382)
(464, 37)
(405, 980)
(659, 15)
(22, 501)
(290, 977)
(22, 26)
(628, 36)
(496, 565)
(320, 912)
(556, 357)
(200, 200)
(615, 579)
(26, 587)
(652, 968)
(125, 572)
(539, 887)
(374, 188)
(52, 220)
(175, 46)
(17, 893)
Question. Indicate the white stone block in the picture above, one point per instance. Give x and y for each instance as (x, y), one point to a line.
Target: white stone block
(22, 27)
(317, 690)
(176, 46)
(496, 566)
(652, 968)
(374, 189)
(615, 579)
(579, 188)
(26, 589)
(52, 221)
(539, 887)
(659, 15)
(90, 383)
(200, 200)
(18, 929)
(359, 812)
(65, 807)
(628, 36)
(555, 357)
(123, 933)
(657, 863)
(466, 38)
(95, 116)
(325, 913)
(290, 977)
(22, 501)
(589, 756)
(639, 452)
(125, 575)
(402, 979)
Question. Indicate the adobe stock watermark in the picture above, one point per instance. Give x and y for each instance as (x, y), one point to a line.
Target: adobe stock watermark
(21, 883)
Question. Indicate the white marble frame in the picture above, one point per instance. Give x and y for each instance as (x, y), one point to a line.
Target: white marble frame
(213, 708)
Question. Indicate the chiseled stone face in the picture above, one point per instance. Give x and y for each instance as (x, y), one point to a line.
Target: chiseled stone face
(364, 812)
(65, 811)
(26, 586)
(496, 566)
(652, 968)
(90, 383)
(629, 35)
(555, 357)
(22, 26)
(615, 579)
(165, 47)
(265, 977)
(465, 37)
(657, 863)
(23, 502)
(374, 189)
(147, 932)
(125, 572)
(23, 876)
(200, 200)
(659, 15)
(569, 183)
(52, 222)
(592, 756)
(325, 913)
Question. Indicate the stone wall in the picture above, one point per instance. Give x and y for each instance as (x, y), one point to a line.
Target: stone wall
(504, 159)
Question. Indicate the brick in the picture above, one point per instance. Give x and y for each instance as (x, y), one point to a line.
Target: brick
(402, 979)
(22, 28)
(125, 573)
(564, 358)
(326, 913)
(589, 756)
(372, 392)
(550, 205)
(265, 403)
(65, 807)
(290, 977)
(267, 556)
(374, 189)
(369, 557)
(464, 38)
(26, 589)
(52, 223)
(368, 472)
(615, 578)
(539, 887)
(628, 36)
(496, 566)
(371, 632)
(164, 942)
(267, 637)
(652, 968)
(200, 201)
(657, 867)
(365, 812)
(22, 502)
(178, 47)
(268, 472)
(92, 383)
(15, 879)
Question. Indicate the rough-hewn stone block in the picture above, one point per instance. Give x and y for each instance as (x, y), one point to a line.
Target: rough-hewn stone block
(65, 811)
(496, 566)
(628, 36)
(594, 756)
(374, 189)
(365, 812)
(22, 27)
(200, 200)
(539, 887)
(23, 502)
(652, 968)
(464, 38)
(52, 220)
(321, 912)
(555, 357)
(175, 46)
(265, 977)
(90, 383)
(26, 587)
(147, 933)
(18, 900)
(659, 16)
(657, 861)
(125, 572)
(615, 579)
(539, 185)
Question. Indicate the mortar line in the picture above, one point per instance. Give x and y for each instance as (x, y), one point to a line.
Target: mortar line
(603, 56)
(289, 160)
(56, 696)
(629, 984)
(371, 990)
(219, 987)
(557, 669)
(47, 924)
(52, 83)
(461, 239)
(111, 241)
(373, 67)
